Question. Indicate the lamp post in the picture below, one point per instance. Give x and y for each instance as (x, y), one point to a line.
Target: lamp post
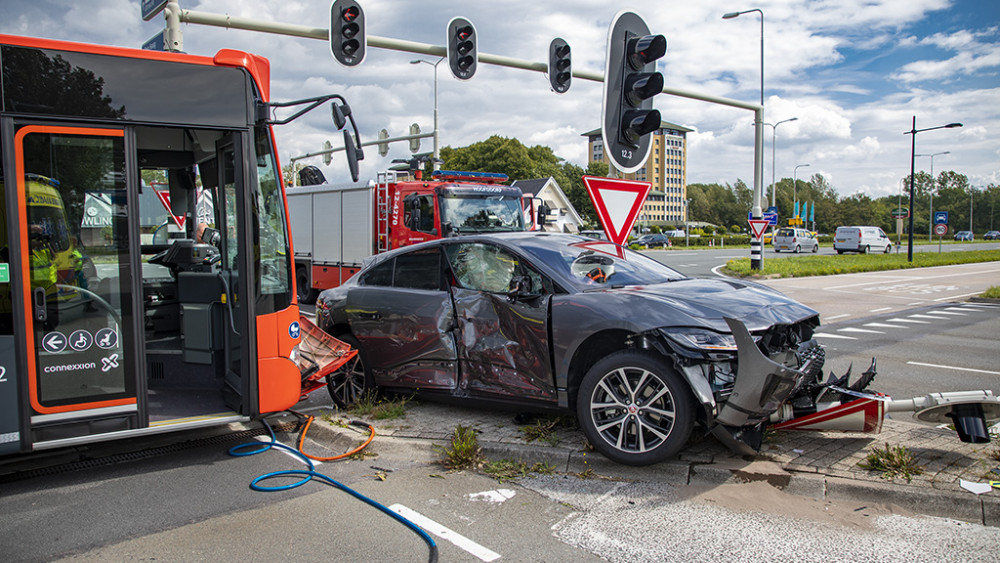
(930, 226)
(774, 134)
(732, 15)
(795, 184)
(913, 156)
(437, 139)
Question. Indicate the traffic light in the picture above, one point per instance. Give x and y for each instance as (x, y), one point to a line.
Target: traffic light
(630, 83)
(462, 52)
(560, 65)
(347, 32)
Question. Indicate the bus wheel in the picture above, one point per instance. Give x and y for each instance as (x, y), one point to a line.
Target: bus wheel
(351, 382)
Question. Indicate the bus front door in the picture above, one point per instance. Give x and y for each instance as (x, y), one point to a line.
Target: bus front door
(78, 307)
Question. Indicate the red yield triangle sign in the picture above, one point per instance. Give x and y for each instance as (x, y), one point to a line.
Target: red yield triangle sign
(618, 203)
(165, 200)
(758, 226)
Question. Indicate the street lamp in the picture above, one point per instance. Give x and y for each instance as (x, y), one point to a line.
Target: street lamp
(795, 184)
(732, 15)
(437, 139)
(774, 131)
(913, 154)
(930, 228)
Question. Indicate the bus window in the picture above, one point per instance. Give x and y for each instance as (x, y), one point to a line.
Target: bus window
(6, 307)
(274, 268)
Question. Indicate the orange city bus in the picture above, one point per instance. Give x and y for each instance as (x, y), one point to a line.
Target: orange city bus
(105, 330)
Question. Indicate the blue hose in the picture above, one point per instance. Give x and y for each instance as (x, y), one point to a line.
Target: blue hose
(241, 450)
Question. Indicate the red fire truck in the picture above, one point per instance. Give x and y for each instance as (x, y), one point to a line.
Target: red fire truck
(336, 227)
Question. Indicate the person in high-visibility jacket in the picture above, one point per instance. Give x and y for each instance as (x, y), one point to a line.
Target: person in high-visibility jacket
(44, 272)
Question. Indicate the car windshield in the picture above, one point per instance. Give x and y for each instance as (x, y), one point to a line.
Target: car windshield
(590, 264)
(481, 213)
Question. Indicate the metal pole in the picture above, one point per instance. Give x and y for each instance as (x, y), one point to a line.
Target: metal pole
(913, 157)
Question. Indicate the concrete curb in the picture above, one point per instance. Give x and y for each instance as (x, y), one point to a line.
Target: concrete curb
(800, 481)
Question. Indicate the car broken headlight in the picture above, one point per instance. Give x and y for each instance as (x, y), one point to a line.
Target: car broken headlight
(702, 339)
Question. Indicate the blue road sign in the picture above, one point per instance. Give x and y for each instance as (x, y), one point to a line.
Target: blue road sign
(770, 216)
(940, 217)
(155, 43)
(152, 7)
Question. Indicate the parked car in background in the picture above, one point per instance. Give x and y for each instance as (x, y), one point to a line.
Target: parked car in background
(861, 239)
(545, 321)
(965, 235)
(992, 235)
(795, 240)
(652, 240)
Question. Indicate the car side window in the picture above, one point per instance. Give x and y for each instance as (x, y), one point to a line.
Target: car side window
(483, 267)
(380, 275)
(418, 270)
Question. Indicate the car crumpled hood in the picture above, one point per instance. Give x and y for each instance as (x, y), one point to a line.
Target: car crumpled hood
(705, 301)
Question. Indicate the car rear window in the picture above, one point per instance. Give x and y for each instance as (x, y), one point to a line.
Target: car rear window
(786, 233)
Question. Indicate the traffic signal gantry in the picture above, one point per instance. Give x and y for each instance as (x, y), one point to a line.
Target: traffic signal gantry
(462, 51)
(347, 32)
(630, 83)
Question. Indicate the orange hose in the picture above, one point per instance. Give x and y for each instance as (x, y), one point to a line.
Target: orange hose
(302, 439)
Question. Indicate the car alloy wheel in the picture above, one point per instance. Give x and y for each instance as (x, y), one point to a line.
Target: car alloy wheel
(350, 382)
(634, 409)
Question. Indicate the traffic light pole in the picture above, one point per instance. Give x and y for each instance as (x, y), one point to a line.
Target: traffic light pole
(174, 16)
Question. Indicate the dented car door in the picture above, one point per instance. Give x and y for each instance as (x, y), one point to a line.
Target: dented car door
(502, 316)
(404, 319)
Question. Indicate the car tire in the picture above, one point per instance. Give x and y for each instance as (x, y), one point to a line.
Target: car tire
(840, 251)
(865, 250)
(306, 294)
(798, 249)
(635, 425)
(888, 248)
(815, 248)
(351, 381)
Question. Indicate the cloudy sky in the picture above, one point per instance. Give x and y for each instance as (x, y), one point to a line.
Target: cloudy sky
(854, 73)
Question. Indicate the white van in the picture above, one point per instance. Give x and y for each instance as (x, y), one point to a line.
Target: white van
(861, 239)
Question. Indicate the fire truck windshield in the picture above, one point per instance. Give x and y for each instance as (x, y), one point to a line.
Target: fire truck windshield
(481, 213)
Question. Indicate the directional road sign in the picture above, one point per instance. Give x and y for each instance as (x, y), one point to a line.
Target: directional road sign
(618, 203)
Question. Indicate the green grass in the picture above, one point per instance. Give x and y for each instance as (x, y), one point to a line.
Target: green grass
(370, 405)
(992, 293)
(505, 470)
(544, 429)
(892, 462)
(464, 451)
(853, 263)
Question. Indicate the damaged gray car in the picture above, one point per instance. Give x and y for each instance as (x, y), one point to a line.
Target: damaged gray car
(641, 353)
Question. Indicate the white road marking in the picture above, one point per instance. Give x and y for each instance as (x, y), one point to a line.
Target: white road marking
(952, 313)
(951, 297)
(988, 372)
(852, 329)
(932, 317)
(909, 321)
(827, 335)
(884, 325)
(444, 533)
(837, 317)
(960, 310)
(495, 496)
(880, 309)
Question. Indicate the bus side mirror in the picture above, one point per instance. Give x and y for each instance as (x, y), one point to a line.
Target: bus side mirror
(352, 155)
(543, 213)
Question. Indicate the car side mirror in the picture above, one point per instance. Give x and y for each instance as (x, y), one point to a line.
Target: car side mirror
(520, 289)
